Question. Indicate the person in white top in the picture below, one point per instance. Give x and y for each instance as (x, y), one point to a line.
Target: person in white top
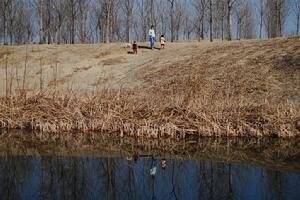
(152, 37)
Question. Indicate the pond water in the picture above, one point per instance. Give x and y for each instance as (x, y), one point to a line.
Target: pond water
(194, 170)
(115, 178)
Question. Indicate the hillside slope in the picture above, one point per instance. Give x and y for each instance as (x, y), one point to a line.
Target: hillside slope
(240, 88)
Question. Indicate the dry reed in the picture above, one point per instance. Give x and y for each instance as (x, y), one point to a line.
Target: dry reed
(124, 113)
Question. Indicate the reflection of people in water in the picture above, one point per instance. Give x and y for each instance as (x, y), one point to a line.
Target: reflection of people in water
(163, 164)
(153, 167)
(152, 173)
(135, 157)
(153, 190)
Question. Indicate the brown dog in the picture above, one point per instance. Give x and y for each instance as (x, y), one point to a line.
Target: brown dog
(135, 47)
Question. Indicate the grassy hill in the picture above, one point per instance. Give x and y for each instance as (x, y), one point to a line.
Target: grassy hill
(240, 88)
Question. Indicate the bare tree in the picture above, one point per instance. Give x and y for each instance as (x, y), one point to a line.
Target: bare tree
(230, 4)
(99, 19)
(48, 21)
(162, 16)
(172, 4)
(143, 20)
(12, 14)
(220, 15)
(83, 7)
(244, 20)
(59, 8)
(40, 7)
(275, 16)
(241, 12)
(200, 7)
(19, 28)
(296, 11)
(188, 26)
(128, 6)
(210, 20)
(91, 21)
(152, 13)
(179, 13)
(29, 21)
(72, 12)
(115, 25)
(260, 9)
(107, 9)
(4, 8)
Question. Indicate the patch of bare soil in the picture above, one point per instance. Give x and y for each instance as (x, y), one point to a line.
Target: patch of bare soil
(112, 61)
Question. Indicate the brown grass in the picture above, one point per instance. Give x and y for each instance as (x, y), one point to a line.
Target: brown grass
(112, 61)
(249, 88)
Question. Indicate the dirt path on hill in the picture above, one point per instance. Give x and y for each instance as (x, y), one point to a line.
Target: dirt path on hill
(84, 67)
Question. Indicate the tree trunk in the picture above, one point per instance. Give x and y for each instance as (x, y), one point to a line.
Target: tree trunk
(279, 7)
(11, 21)
(237, 29)
(222, 29)
(202, 28)
(72, 24)
(59, 32)
(41, 22)
(298, 21)
(127, 27)
(261, 19)
(229, 21)
(107, 25)
(172, 21)
(211, 21)
(153, 20)
(73, 31)
(4, 27)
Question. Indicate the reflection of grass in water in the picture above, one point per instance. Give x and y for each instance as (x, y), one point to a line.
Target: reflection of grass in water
(270, 153)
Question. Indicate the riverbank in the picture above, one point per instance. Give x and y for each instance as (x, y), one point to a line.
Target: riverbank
(242, 88)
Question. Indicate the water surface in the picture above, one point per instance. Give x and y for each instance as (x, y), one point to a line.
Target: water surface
(31, 168)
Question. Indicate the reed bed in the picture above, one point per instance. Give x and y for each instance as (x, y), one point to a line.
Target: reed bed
(130, 113)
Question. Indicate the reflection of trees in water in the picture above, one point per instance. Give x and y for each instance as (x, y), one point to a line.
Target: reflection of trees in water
(109, 169)
(214, 180)
(173, 182)
(15, 176)
(274, 182)
(112, 178)
(72, 178)
(130, 181)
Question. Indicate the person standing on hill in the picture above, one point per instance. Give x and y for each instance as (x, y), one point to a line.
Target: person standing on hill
(152, 37)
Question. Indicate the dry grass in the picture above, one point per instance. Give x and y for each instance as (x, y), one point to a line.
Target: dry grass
(249, 88)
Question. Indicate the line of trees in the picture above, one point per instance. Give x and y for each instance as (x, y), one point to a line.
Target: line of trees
(104, 21)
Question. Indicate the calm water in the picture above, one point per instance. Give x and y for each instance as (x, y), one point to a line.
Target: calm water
(50, 177)
(91, 166)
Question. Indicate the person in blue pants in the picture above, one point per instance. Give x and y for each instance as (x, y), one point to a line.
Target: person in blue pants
(152, 37)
